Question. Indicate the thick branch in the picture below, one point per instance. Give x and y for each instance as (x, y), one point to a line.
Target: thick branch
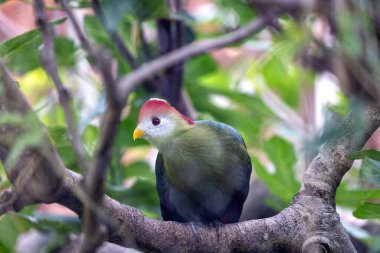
(304, 222)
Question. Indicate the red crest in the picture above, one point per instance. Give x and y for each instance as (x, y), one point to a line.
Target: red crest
(156, 106)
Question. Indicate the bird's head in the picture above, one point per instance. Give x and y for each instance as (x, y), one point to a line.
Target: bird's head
(159, 121)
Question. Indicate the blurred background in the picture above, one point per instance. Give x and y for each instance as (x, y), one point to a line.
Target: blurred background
(284, 89)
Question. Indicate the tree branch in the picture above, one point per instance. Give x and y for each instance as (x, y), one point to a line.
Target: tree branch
(129, 82)
(94, 180)
(36, 165)
(294, 228)
(50, 65)
(329, 166)
(114, 35)
(292, 6)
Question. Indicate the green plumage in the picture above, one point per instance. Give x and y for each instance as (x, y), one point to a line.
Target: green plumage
(203, 174)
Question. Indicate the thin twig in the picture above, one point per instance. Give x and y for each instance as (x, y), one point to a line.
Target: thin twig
(82, 38)
(94, 180)
(115, 36)
(50, 65)
(129, 82)
(99, 56)
(286, 5)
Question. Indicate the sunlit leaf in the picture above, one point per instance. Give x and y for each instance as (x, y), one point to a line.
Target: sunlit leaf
(368, 211)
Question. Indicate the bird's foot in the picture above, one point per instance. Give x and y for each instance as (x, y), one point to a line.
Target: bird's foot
(194, 228)
(216, 224)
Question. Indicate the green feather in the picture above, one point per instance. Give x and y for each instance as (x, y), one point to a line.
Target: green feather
(208, 152)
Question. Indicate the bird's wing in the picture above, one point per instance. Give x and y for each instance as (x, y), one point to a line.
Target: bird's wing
(239, 195)
(168, 211)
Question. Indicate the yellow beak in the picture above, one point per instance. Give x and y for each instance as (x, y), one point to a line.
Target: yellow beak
(137, 134)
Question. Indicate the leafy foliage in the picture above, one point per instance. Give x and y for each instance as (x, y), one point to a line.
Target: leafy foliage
(282, 181)
(21, 52)
(369, 172)
(230, 93)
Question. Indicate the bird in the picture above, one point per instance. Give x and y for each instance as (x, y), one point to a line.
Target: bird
(202, 167)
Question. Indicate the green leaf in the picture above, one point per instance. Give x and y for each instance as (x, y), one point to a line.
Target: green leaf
(30, 39)
(280, 70)
(61, 224)
(247, 113)
(28, 135)
(193, 71)
(284, 78)
(370, 171)
(354, 198)
(282, 155)
(242, 9)
(140, 170)
(11, 226)
(26, 140)
(282, 182)
(368, 211)
(95, 31)
(370, 153)
(58, 21)
(282, 191)
(370, 167)
(115, 10)
(61, 141)
(21, 52)
(65, 51)
(126, 128)
(142, 194)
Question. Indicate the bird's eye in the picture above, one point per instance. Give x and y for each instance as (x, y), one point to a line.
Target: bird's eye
(156, 121)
